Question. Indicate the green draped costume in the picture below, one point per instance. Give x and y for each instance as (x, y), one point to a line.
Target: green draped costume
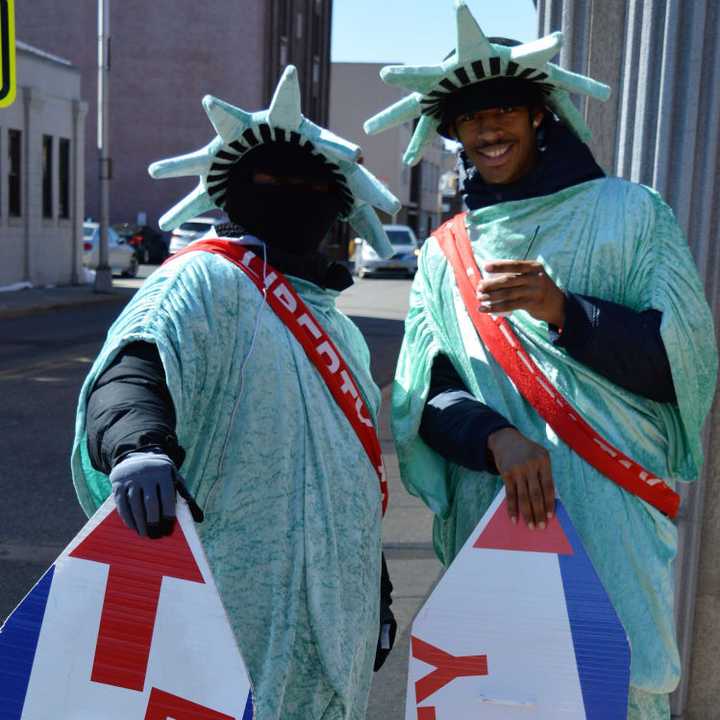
(617, 241)
(291, 500)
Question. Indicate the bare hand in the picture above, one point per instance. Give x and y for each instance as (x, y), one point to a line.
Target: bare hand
(522, 285)
(525, 469)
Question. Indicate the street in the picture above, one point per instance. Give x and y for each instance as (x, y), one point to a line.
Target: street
(43, 361)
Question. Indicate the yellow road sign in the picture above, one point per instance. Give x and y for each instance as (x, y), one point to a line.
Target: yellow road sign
(7, 52)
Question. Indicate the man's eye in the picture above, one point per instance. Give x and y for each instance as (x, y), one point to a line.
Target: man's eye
(507, 109)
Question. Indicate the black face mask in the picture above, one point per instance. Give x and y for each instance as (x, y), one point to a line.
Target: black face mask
(292, 217)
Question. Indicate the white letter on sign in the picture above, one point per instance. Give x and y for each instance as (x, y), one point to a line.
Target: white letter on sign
(348, 385)
(361, 417)
(285, 297)
(308, 322)
(327, 349)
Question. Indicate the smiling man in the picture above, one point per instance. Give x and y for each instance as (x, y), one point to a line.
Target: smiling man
(558, 341)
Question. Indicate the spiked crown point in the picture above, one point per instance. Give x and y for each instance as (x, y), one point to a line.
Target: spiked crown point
(239, 131)
(285, 106)
(471, 41)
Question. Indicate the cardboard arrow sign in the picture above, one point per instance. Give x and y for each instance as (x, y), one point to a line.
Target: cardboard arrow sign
(124, 628)
(519, 627)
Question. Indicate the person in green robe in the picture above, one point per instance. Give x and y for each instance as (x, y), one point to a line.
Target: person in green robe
(200, 376)
(598, 283)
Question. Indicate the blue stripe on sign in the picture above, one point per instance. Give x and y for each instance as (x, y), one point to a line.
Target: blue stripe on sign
(248, 714)
(601, 647)
(18, 642)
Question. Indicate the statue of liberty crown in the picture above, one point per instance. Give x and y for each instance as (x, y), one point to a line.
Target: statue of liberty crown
(474, 60)
(238, 132)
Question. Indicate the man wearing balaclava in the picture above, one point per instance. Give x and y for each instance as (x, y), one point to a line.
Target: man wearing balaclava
(558, 342)
(227, 378)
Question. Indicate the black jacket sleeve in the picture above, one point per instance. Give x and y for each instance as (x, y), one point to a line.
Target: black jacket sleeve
(454, 423)
(130, 408)
(618, 343)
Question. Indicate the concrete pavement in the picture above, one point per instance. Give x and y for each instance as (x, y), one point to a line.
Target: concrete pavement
(30, 301)
(414, 570)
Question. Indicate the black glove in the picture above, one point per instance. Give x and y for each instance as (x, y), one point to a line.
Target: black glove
(388, 625)
(144, 485)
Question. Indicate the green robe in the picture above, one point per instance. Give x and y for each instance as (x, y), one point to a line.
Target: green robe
(292, 512)
(613, 240)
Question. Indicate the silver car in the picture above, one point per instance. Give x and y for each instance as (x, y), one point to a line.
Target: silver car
(121, 257)
(189, 231)
(403, 261)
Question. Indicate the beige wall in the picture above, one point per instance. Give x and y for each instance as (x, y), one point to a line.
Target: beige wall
(33, 248)
(357, 93)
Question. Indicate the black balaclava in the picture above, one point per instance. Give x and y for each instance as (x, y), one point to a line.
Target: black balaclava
(290, 216)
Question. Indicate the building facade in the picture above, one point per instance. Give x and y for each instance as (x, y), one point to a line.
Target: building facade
(660, 127)
(165, 56)
(42, 140)
(356, 93)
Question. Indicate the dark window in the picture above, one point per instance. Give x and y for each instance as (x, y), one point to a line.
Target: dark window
(283, 28)
(283, 14)
(64, 178)
(47, 177)
(14, 173)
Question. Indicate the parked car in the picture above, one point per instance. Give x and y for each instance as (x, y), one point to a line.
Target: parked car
(121, 257)
(150, 245)
(404, 260)
(191, 230)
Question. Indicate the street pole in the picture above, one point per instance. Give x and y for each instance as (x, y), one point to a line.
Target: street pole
(103, 274)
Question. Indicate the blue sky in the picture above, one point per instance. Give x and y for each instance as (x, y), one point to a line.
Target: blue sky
(418, 32)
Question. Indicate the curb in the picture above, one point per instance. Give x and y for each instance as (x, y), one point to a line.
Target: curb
(42, 307)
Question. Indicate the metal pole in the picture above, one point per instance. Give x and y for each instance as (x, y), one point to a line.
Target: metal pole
(103, 274)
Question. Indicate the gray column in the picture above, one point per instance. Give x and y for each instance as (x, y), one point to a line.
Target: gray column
(662, 59)
(77, 187)
(31, 168)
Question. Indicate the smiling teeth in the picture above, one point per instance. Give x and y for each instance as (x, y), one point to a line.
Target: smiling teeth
(495, 152)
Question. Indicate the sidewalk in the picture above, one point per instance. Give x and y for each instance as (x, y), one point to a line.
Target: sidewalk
(21, 303)
(414, 570)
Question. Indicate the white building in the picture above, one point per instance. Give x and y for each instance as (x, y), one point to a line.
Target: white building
(357, 93)
(42, 136)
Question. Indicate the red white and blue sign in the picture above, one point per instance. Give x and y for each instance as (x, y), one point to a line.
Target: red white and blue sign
(124, 628)
(519, 626)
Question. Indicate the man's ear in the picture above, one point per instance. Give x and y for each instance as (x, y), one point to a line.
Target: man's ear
(537, 115)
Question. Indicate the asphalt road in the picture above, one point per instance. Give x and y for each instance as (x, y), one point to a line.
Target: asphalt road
(43, 361)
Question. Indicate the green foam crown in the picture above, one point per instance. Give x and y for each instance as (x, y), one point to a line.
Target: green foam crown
(238, 132)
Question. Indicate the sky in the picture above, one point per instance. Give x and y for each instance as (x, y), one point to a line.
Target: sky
(418, 32)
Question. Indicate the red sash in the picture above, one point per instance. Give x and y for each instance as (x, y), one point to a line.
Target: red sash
(320, 349)
(500, 339)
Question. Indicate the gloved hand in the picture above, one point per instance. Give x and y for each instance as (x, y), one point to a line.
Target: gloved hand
(388, 625)
(143, 486)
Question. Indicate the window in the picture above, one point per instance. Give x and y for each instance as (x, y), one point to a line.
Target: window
(282, 8)
(47, 176)
(14, 173)
(64, 178)
(316, 76)
(283, 22)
